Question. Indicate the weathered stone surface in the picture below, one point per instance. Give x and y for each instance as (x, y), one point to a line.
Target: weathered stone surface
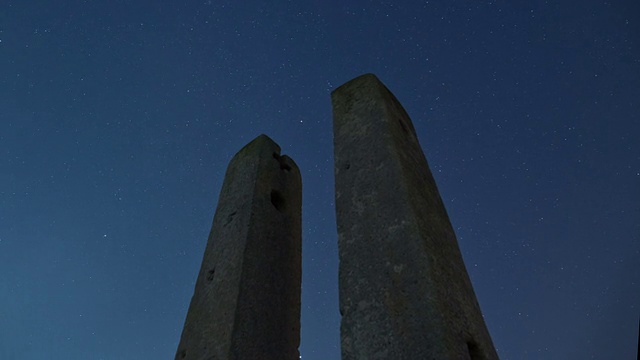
(404, 289)
(246, 303)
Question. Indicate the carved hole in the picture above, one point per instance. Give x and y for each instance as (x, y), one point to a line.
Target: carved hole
(277, 200)
(210, 274)
(347, 166)
(283, 165)
(474, 351)
(183, 354)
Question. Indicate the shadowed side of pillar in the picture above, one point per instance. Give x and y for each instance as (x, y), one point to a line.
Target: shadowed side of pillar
(403, 287)
(246, 302)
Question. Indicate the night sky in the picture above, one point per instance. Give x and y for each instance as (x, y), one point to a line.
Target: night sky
(118, 120)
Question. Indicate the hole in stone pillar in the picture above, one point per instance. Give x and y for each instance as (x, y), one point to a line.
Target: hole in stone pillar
(210, 274)
(283, 165)
(347, 166)
(474, 351)
(183, 354)
(277, 200)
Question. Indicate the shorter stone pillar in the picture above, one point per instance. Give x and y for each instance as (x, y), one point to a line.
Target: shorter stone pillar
(246, 303)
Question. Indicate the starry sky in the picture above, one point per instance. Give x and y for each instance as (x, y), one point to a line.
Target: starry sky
(118, 119)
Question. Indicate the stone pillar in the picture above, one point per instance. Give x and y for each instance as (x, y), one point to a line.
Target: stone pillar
(246, 303)
(404, 289)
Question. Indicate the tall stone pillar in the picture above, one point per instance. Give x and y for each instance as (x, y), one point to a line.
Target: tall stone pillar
(246, 303)
(404, 289)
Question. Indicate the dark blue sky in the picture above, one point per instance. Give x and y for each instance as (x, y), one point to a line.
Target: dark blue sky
(118, 119)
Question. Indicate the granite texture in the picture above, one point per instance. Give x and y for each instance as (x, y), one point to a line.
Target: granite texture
(246, 303)
(403, 287)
